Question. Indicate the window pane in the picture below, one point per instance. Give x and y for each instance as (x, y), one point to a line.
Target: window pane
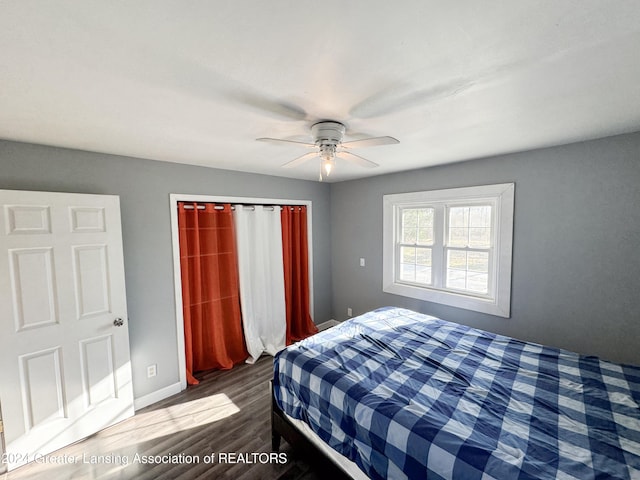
(408, 264)
(423, 275)
(423, 266)
(423, 257)
(415, 265)
(425, 217)
(459, 217)
(468, 271)
(459, 227)
(478, 262)
(456, 279)
(425, 236)
(410, 217)
(407, 272)
(480, 226)
(409, 235)
(457, 259)
(409, 226)
(480, 216)
(417, 226)
(477, 282)
(457, 270)
(458, 237)
(408, 255)
(470, 226)
(479, 237)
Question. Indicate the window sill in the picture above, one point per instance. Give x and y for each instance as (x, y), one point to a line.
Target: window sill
(483, 305)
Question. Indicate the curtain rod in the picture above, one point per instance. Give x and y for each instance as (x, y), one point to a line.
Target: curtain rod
(244, 205)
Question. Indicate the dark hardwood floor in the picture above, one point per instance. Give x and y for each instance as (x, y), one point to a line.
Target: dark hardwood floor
(225, 420)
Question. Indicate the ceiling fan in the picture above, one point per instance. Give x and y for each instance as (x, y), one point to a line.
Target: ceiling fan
(327, 144)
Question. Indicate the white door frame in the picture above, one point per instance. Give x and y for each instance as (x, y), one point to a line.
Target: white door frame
(174, 198)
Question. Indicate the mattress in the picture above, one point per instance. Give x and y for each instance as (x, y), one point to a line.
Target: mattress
(404, 395)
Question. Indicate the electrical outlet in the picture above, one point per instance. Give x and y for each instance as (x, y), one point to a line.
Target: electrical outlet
(362, 262)
(349, 312)
(152, 370)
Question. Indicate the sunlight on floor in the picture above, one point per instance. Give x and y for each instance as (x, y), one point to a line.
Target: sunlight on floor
(165, 421)
(110, 451)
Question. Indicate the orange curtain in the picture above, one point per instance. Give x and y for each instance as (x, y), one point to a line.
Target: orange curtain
(296, 273)
(210, 291)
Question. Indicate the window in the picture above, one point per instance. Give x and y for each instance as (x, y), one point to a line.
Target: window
(451, 246)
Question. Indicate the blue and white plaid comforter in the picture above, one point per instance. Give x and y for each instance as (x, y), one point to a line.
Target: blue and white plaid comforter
(409, 396)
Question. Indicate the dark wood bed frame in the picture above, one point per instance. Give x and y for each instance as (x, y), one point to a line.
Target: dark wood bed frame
(281, 428)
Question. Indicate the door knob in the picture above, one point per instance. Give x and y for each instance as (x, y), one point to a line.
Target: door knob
(118, 322)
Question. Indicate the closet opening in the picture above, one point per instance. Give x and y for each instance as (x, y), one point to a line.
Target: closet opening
(239, 264)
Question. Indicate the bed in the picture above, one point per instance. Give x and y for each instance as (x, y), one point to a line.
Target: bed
(399, 394)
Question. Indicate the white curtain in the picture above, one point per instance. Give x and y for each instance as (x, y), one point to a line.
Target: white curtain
(259, 241)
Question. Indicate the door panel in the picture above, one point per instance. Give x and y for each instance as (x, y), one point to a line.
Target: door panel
(64, 364)
(43, 397)
(91, 278)
(98, 370)
(85, 220)
(33, 287)
(26, 219)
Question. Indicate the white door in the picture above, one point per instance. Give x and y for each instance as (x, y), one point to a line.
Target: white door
(64, 342)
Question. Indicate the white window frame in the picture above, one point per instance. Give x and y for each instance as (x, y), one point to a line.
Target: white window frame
(501, 198)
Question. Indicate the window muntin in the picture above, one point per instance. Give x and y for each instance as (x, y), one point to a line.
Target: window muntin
(451, 246)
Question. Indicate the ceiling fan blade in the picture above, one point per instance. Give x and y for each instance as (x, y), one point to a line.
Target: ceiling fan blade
(371, 142)
(357, 159)
(300, 160)
(267, 104)
(397, 98)
(282, 140)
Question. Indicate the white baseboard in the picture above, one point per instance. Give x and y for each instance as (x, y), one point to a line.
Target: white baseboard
(153, 397)
(156, 396)
(328, 324)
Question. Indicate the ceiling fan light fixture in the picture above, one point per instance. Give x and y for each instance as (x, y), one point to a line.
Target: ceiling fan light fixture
(327, 157)
(327, 165)
(327, 140)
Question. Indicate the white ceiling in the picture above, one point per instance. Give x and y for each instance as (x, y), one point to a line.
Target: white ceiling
(197, 82)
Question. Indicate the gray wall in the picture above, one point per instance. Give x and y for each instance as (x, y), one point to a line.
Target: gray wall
(575, 260)
(144, 187)
(576, 250)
